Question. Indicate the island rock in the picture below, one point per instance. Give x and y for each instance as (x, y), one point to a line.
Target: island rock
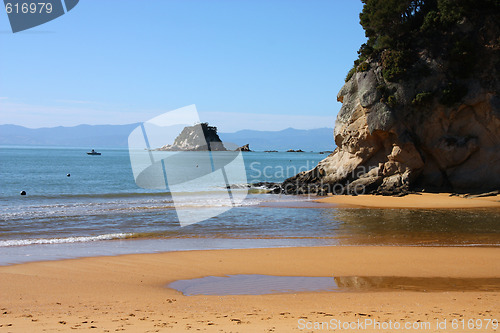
(196, 138)
(243, 148)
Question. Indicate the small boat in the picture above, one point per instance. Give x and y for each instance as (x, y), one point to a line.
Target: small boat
(93, 152)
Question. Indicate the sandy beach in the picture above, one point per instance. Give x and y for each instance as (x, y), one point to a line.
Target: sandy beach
(129, 293)
(415, 201)
(179, 172)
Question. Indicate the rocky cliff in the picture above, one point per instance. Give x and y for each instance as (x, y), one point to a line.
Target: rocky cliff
(435, 128)
(196, 138)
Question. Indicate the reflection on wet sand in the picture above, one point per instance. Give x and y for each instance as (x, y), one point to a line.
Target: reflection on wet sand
(384, 283)
(256, 284)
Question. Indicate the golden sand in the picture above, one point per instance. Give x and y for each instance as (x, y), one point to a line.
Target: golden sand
(129, 293)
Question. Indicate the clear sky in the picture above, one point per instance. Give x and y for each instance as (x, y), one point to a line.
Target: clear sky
(258, 64)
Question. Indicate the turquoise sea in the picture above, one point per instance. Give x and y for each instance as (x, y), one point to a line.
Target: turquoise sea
(99, 210)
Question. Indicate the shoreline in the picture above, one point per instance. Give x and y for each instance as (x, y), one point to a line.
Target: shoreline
(129, 292)
(26, 254)
(412, 201)
(442, 201)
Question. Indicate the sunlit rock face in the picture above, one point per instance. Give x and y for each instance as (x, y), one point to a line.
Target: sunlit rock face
(431, 132)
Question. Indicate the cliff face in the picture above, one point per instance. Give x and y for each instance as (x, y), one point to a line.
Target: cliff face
(428, 131)
(196, 138)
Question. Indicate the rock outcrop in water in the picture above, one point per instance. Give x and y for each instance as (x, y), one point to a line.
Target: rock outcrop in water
(196, 138)
(243, 148)
(434, 127)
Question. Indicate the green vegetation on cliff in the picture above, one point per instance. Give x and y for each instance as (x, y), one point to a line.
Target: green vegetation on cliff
(450, 30)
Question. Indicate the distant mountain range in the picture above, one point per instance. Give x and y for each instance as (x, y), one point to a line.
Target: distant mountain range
(107, 136)
(92, 136)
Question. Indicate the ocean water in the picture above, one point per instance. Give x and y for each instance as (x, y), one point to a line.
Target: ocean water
(100, 210)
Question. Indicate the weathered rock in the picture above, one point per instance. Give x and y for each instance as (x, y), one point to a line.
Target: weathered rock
(435, 146)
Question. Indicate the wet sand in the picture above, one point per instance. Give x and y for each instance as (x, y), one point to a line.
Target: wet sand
(129, 293)
(423, 200)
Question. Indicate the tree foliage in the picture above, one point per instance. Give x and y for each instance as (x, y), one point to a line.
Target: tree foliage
(397, 28)
(387, 23)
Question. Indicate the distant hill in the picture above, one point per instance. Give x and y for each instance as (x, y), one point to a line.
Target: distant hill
(76, 136)
(107, 136)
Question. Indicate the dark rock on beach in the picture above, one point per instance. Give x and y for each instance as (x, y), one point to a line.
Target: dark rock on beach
(274, 188)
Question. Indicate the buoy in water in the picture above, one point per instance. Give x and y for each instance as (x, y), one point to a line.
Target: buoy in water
(23, 192)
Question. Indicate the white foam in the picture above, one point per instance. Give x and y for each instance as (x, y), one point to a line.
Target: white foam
(78, 239)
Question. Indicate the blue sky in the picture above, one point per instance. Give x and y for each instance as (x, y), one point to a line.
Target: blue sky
(259, 64)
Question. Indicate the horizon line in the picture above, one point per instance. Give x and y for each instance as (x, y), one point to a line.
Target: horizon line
(137, 123)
